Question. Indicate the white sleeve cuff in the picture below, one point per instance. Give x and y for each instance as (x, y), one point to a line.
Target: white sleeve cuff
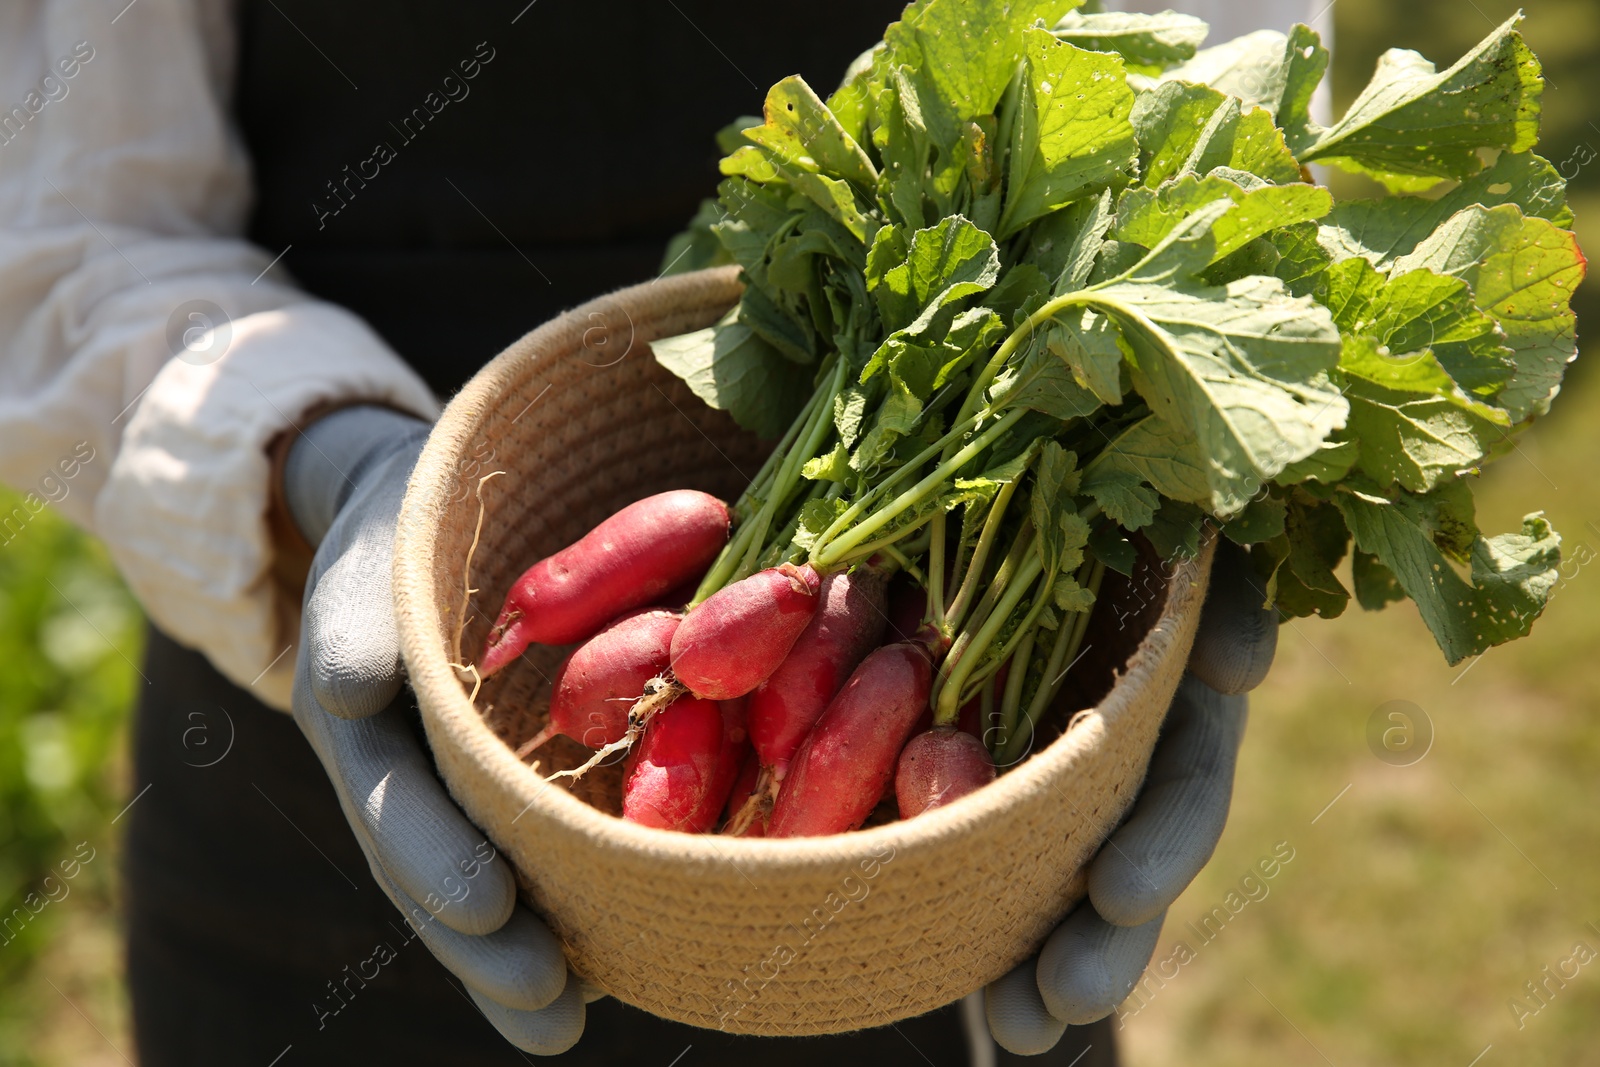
(183, 512)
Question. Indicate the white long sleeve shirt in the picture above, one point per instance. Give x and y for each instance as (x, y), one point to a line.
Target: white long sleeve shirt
(148, 353)
(123, 190)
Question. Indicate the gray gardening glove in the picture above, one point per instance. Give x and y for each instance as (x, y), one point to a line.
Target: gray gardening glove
(1092, 960)
(343, 483)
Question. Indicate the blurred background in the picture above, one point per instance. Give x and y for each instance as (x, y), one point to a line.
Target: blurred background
(1428, 891)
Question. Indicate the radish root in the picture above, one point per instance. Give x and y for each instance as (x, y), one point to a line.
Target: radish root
(659, 693)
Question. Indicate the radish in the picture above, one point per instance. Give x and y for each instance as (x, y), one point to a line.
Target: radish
(844, 766)
(674, 769)
(937, 767)
(737, 637)
(849, 623)
(743, 787)
(641, 552)
(599, 682)
(730, 762)
(908, 603)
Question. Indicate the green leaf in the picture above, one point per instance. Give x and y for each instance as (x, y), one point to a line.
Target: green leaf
(1375, 584)
(1123, 496)
(1382, 231)
(968, 51)
(1302, 262)
(833, 467)
(1421, 311)
(815, 518)
(1246, 67)
(1068, 595)
(1072, 136)
(1523, 272)
(1301, 562)
(1148, 44)
(1328, 464)
(1145, 216)
(1305, 61)
(944, 263)
(1066, 243)
(1155, 452)
(1412, 120)
(1176, 118)
(1062, 532)
(1045, 383)
(1092, 350)
(733, 370)
(1261, 520)
(1243, 369)
(1175, 531)
(1111, 546)
(800, 131)
(1512, 574)
(1414, 425)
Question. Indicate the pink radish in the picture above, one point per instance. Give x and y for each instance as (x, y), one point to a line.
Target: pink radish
(627, 561)
(843, 767)
(730, 761)
(737, 637)
(672, 770)
(599, 682)
(937, 767)
(743, 787)
(908, 603)
(848, 624)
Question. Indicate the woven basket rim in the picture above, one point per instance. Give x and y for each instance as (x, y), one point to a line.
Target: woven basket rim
(424, 643)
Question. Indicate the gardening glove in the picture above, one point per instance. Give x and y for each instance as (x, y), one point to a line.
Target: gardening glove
(1090, 963)
(343, 482)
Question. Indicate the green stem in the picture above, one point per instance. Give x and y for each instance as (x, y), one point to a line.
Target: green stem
(980, 557)
(911, 497)
(1011, 707)
(1069, 639)
(880, 490)
(950, 696)
(789, 473)
(935, 583)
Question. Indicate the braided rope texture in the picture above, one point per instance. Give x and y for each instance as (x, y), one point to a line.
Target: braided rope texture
(763, 937)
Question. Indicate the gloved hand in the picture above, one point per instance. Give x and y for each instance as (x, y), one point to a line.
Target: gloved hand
(1091, 961)
(343, 482)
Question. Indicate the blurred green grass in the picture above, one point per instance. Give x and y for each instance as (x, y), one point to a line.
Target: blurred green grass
(70, 636)
(1413, 912)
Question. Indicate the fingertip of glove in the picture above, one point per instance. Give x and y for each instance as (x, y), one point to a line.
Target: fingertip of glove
(1017, 1016)
(487, 908)
(1237, 637)
(539, 967)
(1121, 895)
(546, 1032)
(352, 691)
(1087, 968)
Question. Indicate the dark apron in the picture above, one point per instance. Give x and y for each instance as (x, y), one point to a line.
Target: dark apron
(453, 213)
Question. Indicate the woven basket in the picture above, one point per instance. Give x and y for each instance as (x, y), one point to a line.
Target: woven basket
(792, 937)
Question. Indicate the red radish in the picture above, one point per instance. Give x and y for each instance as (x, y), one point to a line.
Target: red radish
(730, 761)
(937, 767)
(599, 682)
(849, 623)
(675, 766)
(738, 636)
(908, 603)
(842, 769)
(743, 787)
(626, 562)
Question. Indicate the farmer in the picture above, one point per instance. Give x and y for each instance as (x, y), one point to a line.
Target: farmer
(248, 246)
